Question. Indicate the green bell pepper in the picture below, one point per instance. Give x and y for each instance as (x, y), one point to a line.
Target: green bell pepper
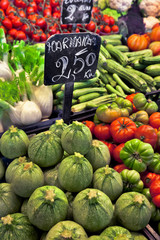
(137, 155)
(131, 181)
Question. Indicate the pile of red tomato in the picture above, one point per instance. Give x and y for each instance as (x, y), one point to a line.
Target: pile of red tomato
(36, 20)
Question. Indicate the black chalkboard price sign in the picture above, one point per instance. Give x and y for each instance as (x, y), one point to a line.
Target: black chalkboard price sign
(76, 11)
(70, 58)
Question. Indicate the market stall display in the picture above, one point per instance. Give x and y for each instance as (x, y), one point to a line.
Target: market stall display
(96, 176)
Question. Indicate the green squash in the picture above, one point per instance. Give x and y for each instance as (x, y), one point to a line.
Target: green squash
(92, 209)
(9, 201)
(98, 155)
(58, 127)
(47, 206)
(45, 149)
(14, 143)
(51, 177)
(117, 233)
(133, 210)
(76, 137)
(67, 230)
(12, 167)
(138, 236)
(17, 226)
(108, 181)
(26, 178)
(2, 169)
(75, 173)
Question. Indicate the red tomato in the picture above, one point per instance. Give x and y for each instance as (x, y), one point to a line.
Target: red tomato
(20, 3)
(155, 192)
(26, 29)
(43, 37)
(21, 35)
(120, 167)
(114, 28)
(130, 98)
(95, 9)
(107, 29)
(30, 10)
(122, 129)
(34, 5)
(116, 153)
(4, 4)
(16, 22)
(35, 37)
(90, 125)
(146, 134)
(47, 12)
(91, 26)
(148, 178)
(13, 32)
(111, 21)
(110, 146)
(7, 23)
(21, 12)
(54, 3)
(102, 131)
(41, 22)
(33, 17)
(105, 18)
(154, 120)
(10, 10)
(53, 29)
(56, 15)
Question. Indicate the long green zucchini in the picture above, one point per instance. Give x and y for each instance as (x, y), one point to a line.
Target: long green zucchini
(153, 70)
(113, 67)
(112, 36)
(84, 84)
(122, 84)
(117, 54)
(79, 92)
(145, 52)
(150, 60)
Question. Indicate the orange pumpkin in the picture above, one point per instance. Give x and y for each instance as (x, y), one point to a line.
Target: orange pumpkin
(138, 42)
(155, 34)
(155, 47)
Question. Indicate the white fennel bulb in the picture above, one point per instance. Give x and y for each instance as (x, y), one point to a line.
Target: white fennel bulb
(30, 113)
(5, 71)
(43, 96)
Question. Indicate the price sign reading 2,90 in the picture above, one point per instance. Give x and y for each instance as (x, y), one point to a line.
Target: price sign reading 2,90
(76, 11)
(71, 57)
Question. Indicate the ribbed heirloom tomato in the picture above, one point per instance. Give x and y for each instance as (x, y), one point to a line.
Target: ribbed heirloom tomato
(146, 134)
(137, 42)
(154, 120)
(102, 131)
(122, 129)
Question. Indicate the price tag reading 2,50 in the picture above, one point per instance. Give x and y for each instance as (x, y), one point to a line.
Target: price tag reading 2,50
(71, 57)
(76, 11)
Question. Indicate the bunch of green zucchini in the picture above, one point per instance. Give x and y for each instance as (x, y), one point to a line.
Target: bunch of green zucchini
(119, 73)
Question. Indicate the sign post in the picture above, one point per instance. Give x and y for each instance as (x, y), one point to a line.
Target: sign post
(71, 57)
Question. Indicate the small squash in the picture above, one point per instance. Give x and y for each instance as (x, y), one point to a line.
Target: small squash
(98, 155)
(133, 210)
(58, 127)
(117, 233)
(9, 201)
(26, 178)
(75, 173)
(67, 230)
(108, 181)
(17, 226)
(12, 167)
(76, 137)
(92, 209)
(45, 149)
(14, 143)
(47, 206)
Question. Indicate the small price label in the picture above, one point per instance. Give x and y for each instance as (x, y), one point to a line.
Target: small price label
(76, 11)
(71, 57)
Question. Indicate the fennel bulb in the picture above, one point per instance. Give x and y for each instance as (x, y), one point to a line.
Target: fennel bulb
(43, 96)
(5, 71)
